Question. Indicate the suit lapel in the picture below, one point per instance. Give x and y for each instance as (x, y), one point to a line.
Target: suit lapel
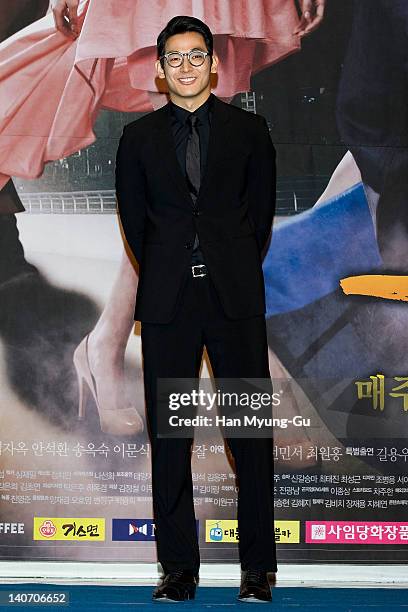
(166, 150)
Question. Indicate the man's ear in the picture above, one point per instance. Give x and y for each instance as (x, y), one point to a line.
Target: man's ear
(214, 63)
(160, 70)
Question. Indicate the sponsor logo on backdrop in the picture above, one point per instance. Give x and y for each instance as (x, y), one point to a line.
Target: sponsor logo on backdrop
(221, 531)
(142, 530)
(286, 532)
(6, 528)
(356, 532)
(139, 530)
(47, 528)
(318, 532)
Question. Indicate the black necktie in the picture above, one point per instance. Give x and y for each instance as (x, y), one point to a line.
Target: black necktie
(193, 175)
(193, 158)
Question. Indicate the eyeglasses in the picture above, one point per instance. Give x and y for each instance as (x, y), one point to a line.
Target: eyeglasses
(175, 58)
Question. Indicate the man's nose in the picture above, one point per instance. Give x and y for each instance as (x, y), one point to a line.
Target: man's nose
(185, 66)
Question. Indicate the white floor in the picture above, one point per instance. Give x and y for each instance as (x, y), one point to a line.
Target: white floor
(324, 575)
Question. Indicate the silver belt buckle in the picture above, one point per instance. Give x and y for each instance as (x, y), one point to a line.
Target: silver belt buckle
(197, 274)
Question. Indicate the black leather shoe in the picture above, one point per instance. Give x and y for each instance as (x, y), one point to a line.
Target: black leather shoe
(179, 585)
(254, 587)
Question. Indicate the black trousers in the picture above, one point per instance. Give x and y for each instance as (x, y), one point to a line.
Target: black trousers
(236, 348)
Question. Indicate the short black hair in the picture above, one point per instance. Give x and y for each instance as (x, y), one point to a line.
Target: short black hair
(181, 24)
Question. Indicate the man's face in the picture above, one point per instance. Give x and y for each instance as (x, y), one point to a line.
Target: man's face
(187, 82)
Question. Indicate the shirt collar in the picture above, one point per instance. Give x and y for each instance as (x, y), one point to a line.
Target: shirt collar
(202, 112)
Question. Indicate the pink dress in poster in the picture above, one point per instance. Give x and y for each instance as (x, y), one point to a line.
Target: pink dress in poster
(52, 87)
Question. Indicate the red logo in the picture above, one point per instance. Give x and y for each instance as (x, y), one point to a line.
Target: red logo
(48, 529)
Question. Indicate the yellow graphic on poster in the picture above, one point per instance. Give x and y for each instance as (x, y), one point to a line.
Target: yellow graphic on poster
(377, 285)
(60, 528)
(286, 532)
(221, 531)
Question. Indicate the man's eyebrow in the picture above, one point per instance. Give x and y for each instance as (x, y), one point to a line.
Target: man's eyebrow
(194, 49)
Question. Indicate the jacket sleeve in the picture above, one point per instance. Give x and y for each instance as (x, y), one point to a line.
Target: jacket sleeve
(130, 193)
(262, 184)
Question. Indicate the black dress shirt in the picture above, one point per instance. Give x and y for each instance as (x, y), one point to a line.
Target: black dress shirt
(181, 131)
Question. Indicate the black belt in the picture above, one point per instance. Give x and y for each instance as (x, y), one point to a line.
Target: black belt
(199, 271)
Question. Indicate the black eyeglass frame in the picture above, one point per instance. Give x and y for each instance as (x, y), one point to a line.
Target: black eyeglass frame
(187, 54)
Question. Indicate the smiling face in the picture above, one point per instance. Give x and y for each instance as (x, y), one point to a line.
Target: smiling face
(189, 86)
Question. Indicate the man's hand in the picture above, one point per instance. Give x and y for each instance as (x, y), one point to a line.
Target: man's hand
(311, 17)
(66, 16)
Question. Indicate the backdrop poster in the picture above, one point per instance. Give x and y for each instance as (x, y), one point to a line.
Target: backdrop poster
(336, 108)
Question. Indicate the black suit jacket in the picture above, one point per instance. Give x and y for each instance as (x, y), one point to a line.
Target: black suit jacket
(233, 215)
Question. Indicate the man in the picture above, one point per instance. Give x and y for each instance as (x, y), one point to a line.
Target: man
(195, 184)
